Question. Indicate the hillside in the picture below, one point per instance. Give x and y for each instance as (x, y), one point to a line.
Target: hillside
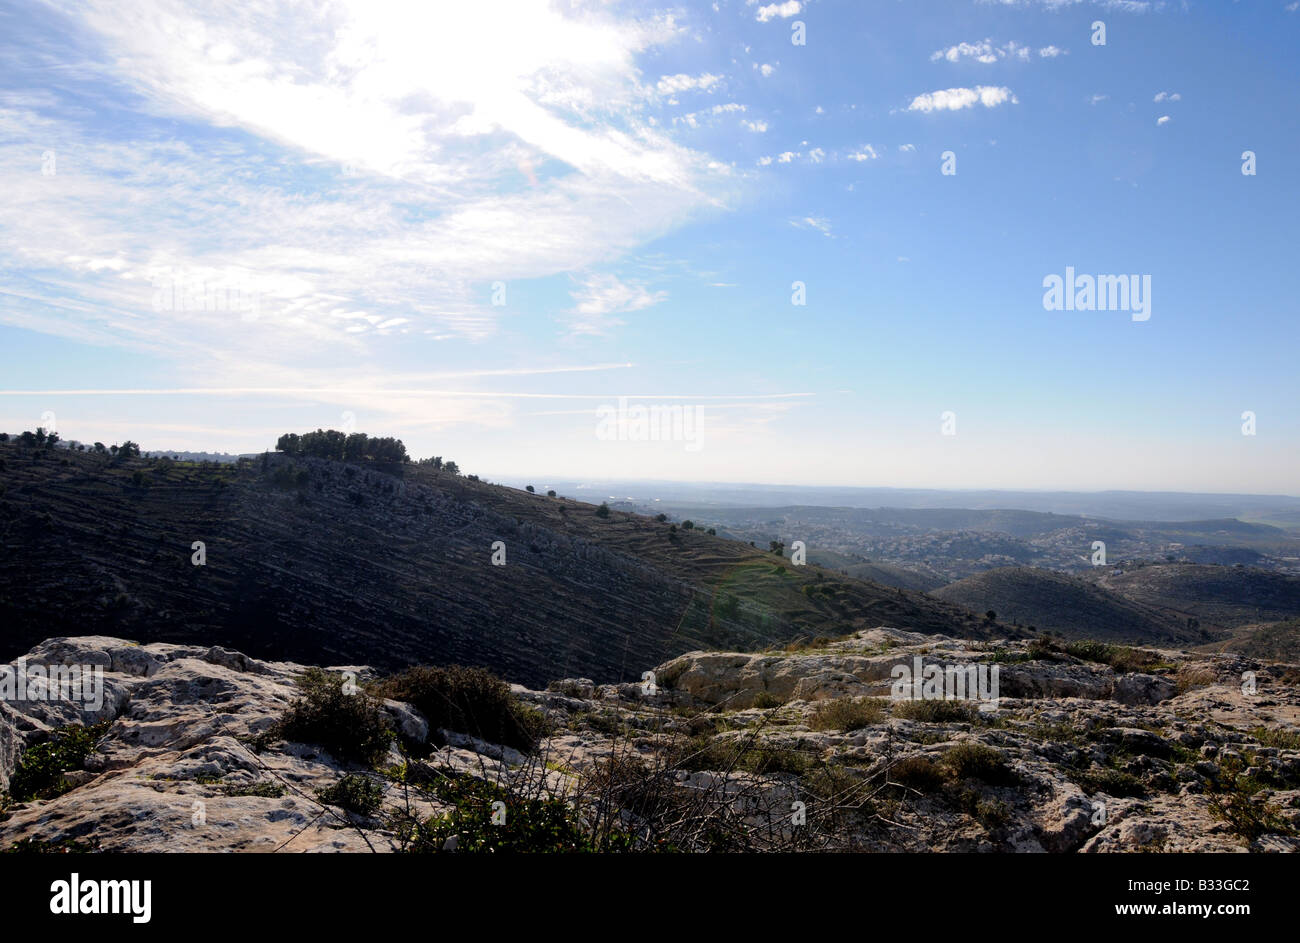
(1220, 597)
(329, 562)
(1067, 604)
(1275, 641)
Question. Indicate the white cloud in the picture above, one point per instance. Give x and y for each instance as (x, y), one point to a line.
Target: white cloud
(906, 148)
(1097, 98)
(758, 127)
(866, 152)
(600, 296)
(982, 51)
(765, 69)
(672, 84)
(1167, 96)
(985, 52)
(1163, 119)
(955, 99)
(785, 157)
(784, 10)
(816, 155)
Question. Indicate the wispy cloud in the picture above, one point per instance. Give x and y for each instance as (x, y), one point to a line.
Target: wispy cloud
(365, 169)
(600, 296)
(818, 223)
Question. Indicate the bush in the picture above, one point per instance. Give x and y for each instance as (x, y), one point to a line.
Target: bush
(603, 510)
(1282, 739)
(1121, 658)
(466, 700)
(1233, 801)
(1189, 678)
(359, 794)
(932, 711)
(1112, 782)
(351, 727)
(976, 761)
(848, 714)
(528, 824)
(917, 772)
(40, 769)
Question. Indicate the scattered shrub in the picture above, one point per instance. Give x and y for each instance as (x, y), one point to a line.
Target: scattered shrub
(1272, 737)
(848, 714)
(350, 726)
(40, 769)
(977, 761)
(1112, 782)
(1122, 658)
(359, 794)
(917, 772)
(932, 711)
(523, 823)
(467, 700)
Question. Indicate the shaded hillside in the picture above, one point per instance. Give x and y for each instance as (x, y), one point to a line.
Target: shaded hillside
(1067, 604)
(1218, 596)
(331, 562)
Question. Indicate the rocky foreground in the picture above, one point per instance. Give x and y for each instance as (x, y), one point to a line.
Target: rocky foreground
(1090, 748)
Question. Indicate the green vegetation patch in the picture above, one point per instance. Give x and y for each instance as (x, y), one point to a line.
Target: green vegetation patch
(40, 769)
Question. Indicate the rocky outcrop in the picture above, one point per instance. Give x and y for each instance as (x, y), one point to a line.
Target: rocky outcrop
(1196, 753)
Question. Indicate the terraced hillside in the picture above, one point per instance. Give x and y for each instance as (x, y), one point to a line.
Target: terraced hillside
(1070, 605)
(329, 562)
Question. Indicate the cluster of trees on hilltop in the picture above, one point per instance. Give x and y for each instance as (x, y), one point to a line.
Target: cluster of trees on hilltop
(41, 439)
(437, 462)
(342, 446)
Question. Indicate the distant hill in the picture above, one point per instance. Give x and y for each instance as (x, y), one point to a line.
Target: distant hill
(1219, 596)
(336, 563)
(1067, 604)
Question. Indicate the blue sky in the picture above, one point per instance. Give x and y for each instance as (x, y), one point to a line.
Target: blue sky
(639, 187)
